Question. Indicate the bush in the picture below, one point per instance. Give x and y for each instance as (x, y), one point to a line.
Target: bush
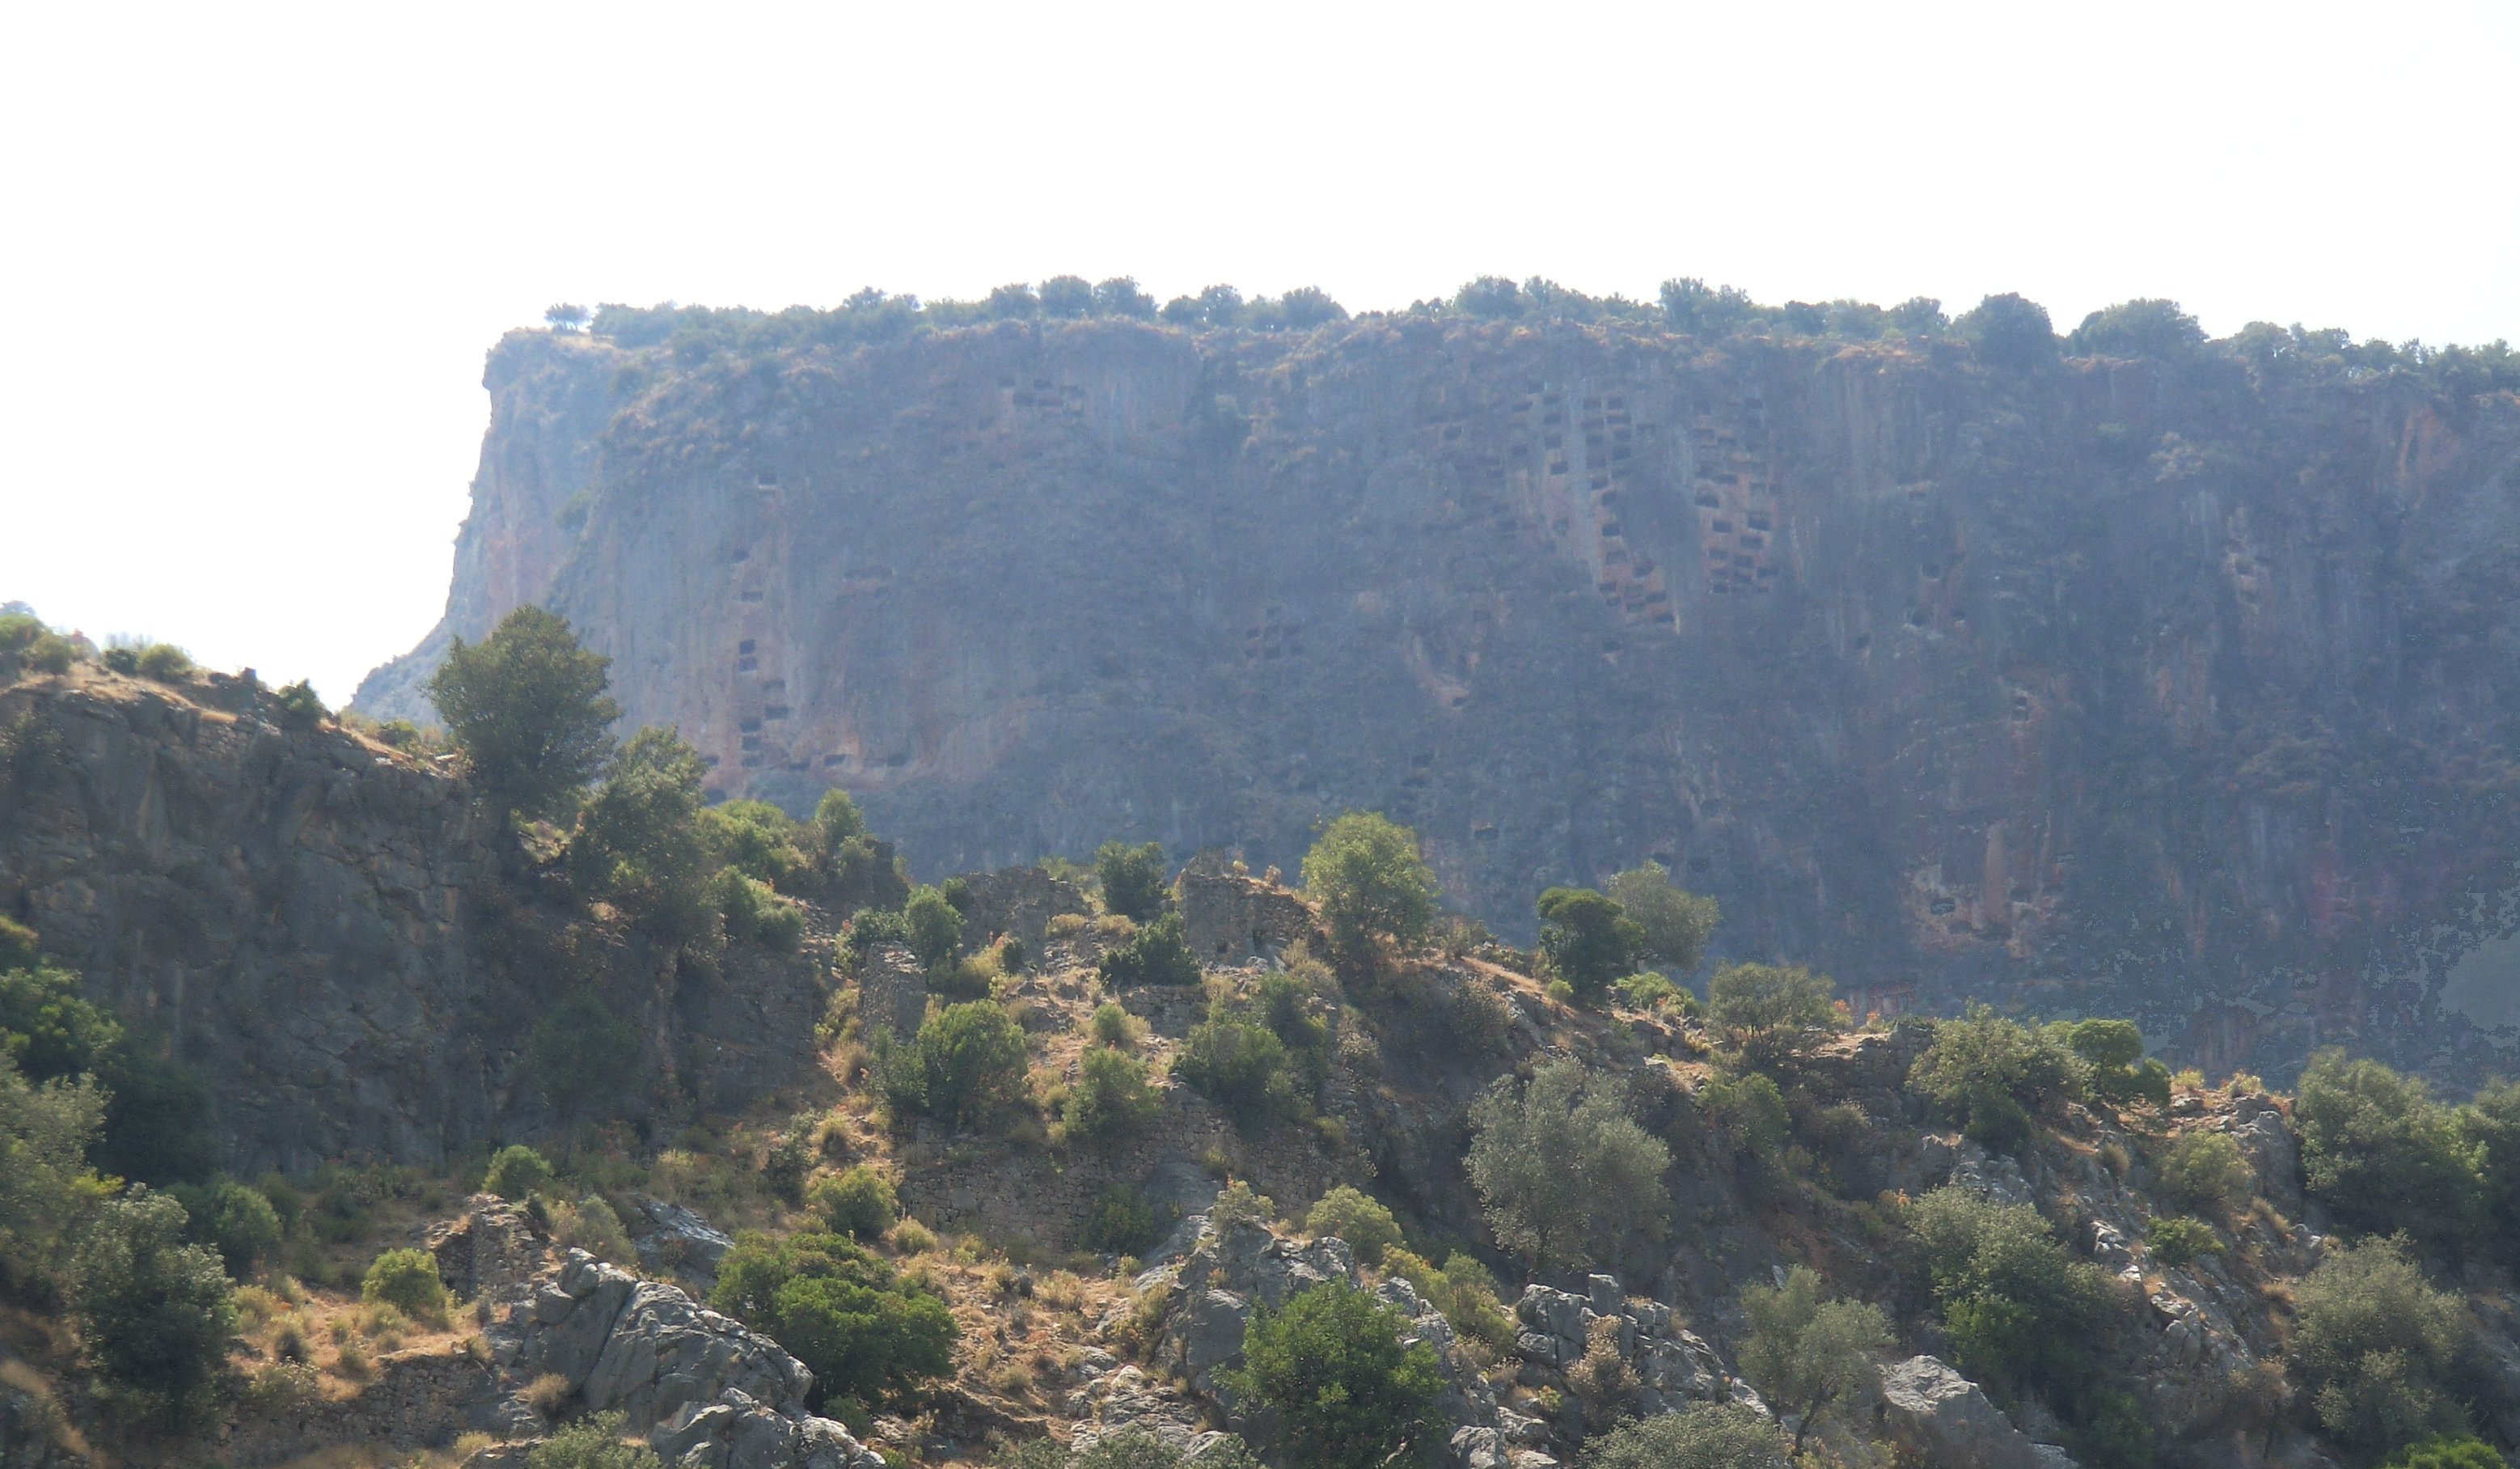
(754, 914)
(2005, 330)
(639, 843)
(1356, 1217)
(1768, 1009)
(2143, 328)
(1121, 1223)
(592, 1443)
(1750, 1109)
(1345, 1393)
(1994, 1075)
(864, 1332)
(1563, 1170)
(1111, 1097)
(1809, 1356)
(46, 1191)
(1156, 954)
(1113, 1026)
(2491, 1124)
(2206, 1173)
(298, 707)
(933, 927)
(2381, 1153)
(162, 662)
(517, 1173)
(1133, 879)
(1237, 1204)
(527, 708)
(1464, 1289)
(592, 1225)
(1239, 1064)
(1366, 873)
(2174, 1241)
(406, 1279)
(1703, 1435)
(232, 1219)
(1589, 940)
(2115, 1069)
(837, 821)
(967, 1062)
(1653, 991)
(858, 1202)
(2375, 1345)
(2016, 1306)
(1478, 1020)
(154, 1313)
(2445, 1452)
(1675, 924)
(581, 1055)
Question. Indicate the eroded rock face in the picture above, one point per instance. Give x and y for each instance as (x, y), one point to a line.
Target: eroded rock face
(2136, 688)
(1936, 1412)
(702, 1388)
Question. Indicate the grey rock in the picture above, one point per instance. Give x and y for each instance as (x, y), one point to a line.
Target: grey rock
(1936, 1412)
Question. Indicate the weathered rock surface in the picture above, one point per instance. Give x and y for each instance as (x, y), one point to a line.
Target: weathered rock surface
(700, 1387)
(1943, 1416)
(2131, 687)
(35, 1434)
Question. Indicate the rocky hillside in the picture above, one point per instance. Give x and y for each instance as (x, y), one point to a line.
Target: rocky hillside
(2168, 688)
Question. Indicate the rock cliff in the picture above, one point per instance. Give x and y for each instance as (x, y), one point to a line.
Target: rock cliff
(2174, 690)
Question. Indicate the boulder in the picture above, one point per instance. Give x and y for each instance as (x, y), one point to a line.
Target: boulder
(1943, 1417)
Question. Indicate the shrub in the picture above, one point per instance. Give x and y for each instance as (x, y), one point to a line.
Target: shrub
(2375, 1345)
(1238, 1204)
(1133, 879)
(1994, 1075)
(299, 707)
(581, 1054)
(1156, 954)
(164, 663)
(1331, 1366)
(517, 1173)
(1651, 992)
(1366, 873)
(2174, 1241)
(754, 914)
(1239, 1064)
(2380, 1152)
(1121, 1223)
(594, 1442)
(2491, 1124)
(401, 734)
(858, 1202)
(232, 1219)
(1464, 1289)
(1113, 1026)
(2143, 328)
(1809, 1356)
(864, 1332)
(1675, 925)
(837, 821)
(527, 708)
(1478, 1020)
(2005, 330)
(1589, 940)
(2015, 1306)
(1356, 1217)
(406, 1279)
(1703, 1435)
(1561, 1167)
(2445, 1452)
(592, 1225)
(154, 1313)
(46, 1191)
(639, 843)
(1768, 1009)
(2115, 1069)
(761, 841)
(933, 928)
(969, 1061)
(279, 1389)
(2206, 1173)
(1111, 1097)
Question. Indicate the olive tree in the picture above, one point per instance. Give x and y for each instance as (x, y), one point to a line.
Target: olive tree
(527, 706)
(1563, 1170)
(1371, 880)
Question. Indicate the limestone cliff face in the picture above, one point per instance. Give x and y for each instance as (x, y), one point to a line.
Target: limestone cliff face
(2116, 686)
(333, 934)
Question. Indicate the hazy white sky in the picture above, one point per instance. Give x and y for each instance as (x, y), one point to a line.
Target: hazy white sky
(255, 254)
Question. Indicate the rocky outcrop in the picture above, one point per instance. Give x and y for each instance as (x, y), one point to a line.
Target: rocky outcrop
(700, 1388)
(1942, 1416)
(2124, 687)
(1671, 1365)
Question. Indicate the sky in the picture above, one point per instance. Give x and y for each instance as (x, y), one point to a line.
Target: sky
(254, 253)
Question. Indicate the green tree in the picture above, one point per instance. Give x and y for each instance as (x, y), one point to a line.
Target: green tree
(580, 1055)
(2206, 1173)
(1067, 296)
(1589, 940)
(2009, 331)
(838, 818)
(2491, 1124)
(1562, 1168)
(1769, 1009)
(232, 1219)
(864, 1332)
(1695, 310)
(1494, 296)
(594, 1442)
(640, 845)
(154, 1313)
(1156, 954)
(1235, 1061)
(2446, 1452)
(1133, 879)
(935, 927)
(567, 318)
(1676, 923)
(972, 1061)
(2015, 1306)
(1919, 316)
(1344, 1393)
(2175, 1240)
(1121, 1221)
(2381, 1153)
(1111, 1097)
(1809, 1356)
(2115, 1069)
(1014, 301)
(407, 1279)
(46, 1189)
(1120, 296)
(517, 1173)
(1994, 1075)
(527, 706)
(857, 1202)
(764, 844)
(1358, 1217)
(2375, 1347)
(1703, 1435)
(2141, 327)
(1371, 880)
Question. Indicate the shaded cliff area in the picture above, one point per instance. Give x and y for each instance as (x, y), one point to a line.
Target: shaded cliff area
(2178, 689)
